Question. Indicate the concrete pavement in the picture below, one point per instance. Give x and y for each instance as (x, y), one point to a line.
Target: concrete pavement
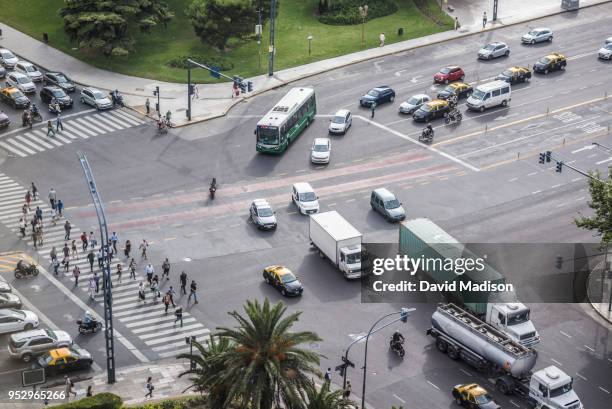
(215, 99)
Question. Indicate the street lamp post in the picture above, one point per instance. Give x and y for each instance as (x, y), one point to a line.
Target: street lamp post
(363, 12)
(189, 340)
(309, 38)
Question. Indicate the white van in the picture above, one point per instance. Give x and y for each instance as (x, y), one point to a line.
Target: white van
(490, 95)
(305, 198)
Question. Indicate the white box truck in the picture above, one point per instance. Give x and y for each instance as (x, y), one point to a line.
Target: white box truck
(337, 240)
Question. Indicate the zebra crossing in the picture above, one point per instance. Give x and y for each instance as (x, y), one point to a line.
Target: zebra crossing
(145, 320)
(35, 140)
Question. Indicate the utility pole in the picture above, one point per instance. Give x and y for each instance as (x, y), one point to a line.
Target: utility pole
(271, 49)
(259, 32)
(189, 90)
(495, 10)
(106, 270)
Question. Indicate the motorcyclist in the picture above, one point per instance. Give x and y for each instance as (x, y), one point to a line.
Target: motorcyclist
(54, 106)
(33, 108)
(213, 187)
(428, 132)
(397, 338)
(452, 101)
(116, 96)
(87, 320)
(25, 117)
(19, 266)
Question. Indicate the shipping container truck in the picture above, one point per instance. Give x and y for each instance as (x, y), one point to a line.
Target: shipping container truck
(337, 240)
(462, 335)
(422, 237)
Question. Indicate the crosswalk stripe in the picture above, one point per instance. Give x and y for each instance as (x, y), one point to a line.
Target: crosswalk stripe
(200, 338)
(61, 138)
(101, 128)
(81, 128)
(176, 337)
(20, 146)
(119, 121)
(102, 119)
(28, 142)
(69, 134)
(169, 322)
(172, 331)
(10, 148)
(10, 191)
(14, 195)
(10, 203)
(41, 134)
(39, 140)
(8, 184)
(140, 316)
(89, 128)
(127, 117)
(174, 352)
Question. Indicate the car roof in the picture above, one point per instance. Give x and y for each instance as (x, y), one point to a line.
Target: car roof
(35, 333)
(492, 85)
(52, 87)
(302, 187)
(381, 87)
(555, 55)
(518, 68)
(10, 89)
(23, 62)
(437, 102)
(280, 270)
(6, 49)
(60, 353)
(458, 85)
(261, 203)
(321, 141)
(342, 112)
(91, 89)
(384, 193)
(18, 74)
(10, 312)
(497, 43)
(541, 29)
(419, 96)
(451, 67)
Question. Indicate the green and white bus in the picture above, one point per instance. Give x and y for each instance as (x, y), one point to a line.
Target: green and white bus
(284, 123)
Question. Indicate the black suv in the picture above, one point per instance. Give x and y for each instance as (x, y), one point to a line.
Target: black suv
(50, 92)
(378, 95)
(59, 79)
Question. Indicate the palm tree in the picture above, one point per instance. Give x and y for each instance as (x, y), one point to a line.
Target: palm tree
(267, 366)
(324, 398)
(205, 376)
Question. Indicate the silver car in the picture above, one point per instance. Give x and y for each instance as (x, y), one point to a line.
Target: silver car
(17, 320)
(29, 69)
(7, 58)
(26, 345)
(537, 35)
(95, 98)
(5, 287)
(262, 215)
(413, 103)
(605, 52)
(2, 72)
(20, 81)
(341, 122)
(494, 50)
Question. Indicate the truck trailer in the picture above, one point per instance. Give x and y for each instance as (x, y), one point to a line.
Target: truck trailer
(337, 240)
(462, 335)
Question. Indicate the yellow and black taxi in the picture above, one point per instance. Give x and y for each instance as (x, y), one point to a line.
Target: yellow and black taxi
(14, 97)
(514, 75)
(283, 280)
(552, 62)
(473, 396)
(64, 360)
(460, 89)
(431, 110)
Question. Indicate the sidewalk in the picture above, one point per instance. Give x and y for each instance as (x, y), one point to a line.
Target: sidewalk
(215, 99)
(600, 293)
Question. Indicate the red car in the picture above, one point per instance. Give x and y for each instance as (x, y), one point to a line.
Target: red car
(449, 74)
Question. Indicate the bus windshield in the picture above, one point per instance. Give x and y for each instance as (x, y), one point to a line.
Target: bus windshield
(268, 136)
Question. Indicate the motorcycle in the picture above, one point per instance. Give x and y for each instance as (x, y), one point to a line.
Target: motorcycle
(117, 98)
(55, 109)
(453, 116)
(35, 115)
(397, 347)
(92, 327)
(22, 270)
(426, 136)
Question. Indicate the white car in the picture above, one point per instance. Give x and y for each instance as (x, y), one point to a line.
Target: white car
(608, 40)
(262, 215)
(305, 198)
(7, 58)
(605, 52)
(20, 81)
(12, 320)
(494, 50)
(95, 98)
(413, 103)
(341, 122)
(537, 35)
(29, 69)
(320, 151)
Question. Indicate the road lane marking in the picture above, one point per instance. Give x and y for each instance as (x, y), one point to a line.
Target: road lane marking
(513, 180)
(581, 376)
(603, 161)
(560, 205)
(555, 186)
(432, 384)
(169, 238)
(605, 390)
(398, 398)
(465, 372)
(589, 348)
(536, 192)
(584, 148)
(556, 362)
(514, 403)
(576, 179)
(532, 173)
(580, 199)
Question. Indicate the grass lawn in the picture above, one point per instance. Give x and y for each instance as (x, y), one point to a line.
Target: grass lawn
(296, 21)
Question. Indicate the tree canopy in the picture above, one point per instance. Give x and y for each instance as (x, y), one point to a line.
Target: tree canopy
(601, 203)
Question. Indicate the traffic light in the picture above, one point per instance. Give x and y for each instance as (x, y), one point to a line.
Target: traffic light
(156, 91)
(237, 80)
(559, 166)
(243, 86)
(559, 262)
(340, 369)
(404, 314)
(250, 86)
(548, 156)
(542, 158)
(157, 107)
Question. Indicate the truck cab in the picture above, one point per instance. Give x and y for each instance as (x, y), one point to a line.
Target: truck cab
(513, 319)
(350, 261)
(551, 387)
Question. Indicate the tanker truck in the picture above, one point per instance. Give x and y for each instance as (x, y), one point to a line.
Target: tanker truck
(462, 335)
(422, 237)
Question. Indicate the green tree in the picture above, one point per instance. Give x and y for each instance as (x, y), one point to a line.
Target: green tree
(324, 398)
(205, 377)
(268, 365)
(601, 203)
(103, 25)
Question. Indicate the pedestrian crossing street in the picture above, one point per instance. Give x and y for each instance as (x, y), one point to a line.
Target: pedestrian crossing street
(36, 140)
(146, 320)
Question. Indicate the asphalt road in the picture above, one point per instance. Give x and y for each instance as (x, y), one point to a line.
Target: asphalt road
(480, 181)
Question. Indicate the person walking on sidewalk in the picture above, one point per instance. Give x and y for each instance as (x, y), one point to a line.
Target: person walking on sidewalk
(183, 282)
(60, 207)
(67, 228)
(66, 263)
(50, 129)
(114, 238)
(143, 249)
(96, 278)
(89, 392)
(68, 387)
(58, 123)
(484, 19)
(457, 25)
(127, 249)
(91, 258)
(193, 292)
(178, 314)
(132, 267)
(119, 271)
(73, 247)
(346, 394)
(149, 387)
(92, 288)
(327, 376)
(149, 270)
(166, 269)
(381, 37)
(148, 106)
(76, 272)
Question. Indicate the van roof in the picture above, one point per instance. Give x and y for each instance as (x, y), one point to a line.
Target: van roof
(492, 85)
(303, 187)
(384, 193)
